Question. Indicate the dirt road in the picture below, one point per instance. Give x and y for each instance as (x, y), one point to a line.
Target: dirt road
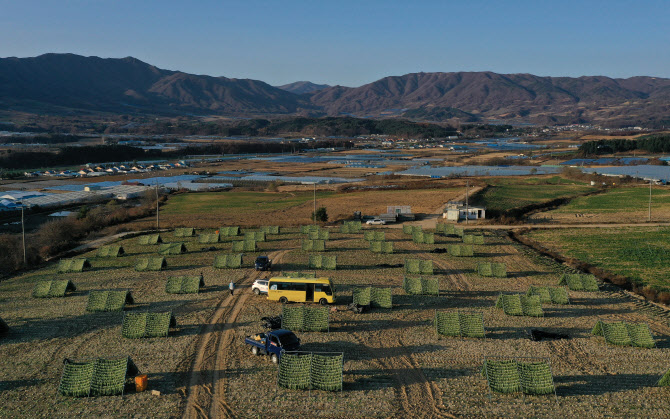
(551, 226)
(207, 385)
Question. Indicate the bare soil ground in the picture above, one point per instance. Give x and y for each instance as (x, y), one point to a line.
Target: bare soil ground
(395, 365)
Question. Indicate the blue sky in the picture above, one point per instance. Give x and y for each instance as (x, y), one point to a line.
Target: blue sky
(350, 42)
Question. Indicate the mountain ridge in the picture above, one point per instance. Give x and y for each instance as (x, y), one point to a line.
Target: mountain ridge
(52, 82)
(302, 87)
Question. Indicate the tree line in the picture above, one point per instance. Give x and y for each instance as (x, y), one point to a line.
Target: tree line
(330, 126)
(71, 156)
(653, 143)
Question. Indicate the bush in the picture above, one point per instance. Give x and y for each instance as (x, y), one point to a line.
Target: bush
(320, 215)
(11, 254)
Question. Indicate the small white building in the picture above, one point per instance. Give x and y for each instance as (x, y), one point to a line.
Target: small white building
(456, 211)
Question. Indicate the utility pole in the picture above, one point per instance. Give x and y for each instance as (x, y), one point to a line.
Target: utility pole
(467, 206)
(649, 200)
(157, 209)
(23, 232)
(314, 202)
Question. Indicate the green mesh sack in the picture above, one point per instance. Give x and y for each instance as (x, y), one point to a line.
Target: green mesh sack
(471, 325)
(53, 288)
(158, 324)
(315, 319)
(326, 372)
(229, 231)
(412, 285)
(292, 318)
(640, 335)
(116, 300)
(430, 286)
(41, 289)
(616, 333)
(382, 297)
(531, 305)
(209, 238)
(258, 236)
(76, 378)
(558, 295)
(413, 266)
(417, 237)
(447, 323)
(315, 261)
(134, 325)
(485, 269)
(97, 300)
(536, 378)
(590, 283)
(542, 292)
(362, 295)
(499, 270)
(665, 380)
(502, 376)
(330, 263)
(295, 371)
(184, 232)
(426, 267)
(511, 304)
(109, 377)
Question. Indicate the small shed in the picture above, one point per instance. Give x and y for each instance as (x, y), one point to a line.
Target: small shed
(399, 209)
(398, 213)
(456, 211)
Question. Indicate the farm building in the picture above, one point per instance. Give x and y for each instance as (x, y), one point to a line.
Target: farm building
(398, 213)
(459, 211)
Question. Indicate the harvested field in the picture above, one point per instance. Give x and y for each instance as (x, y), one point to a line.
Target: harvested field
(394, 363)
(215, 209)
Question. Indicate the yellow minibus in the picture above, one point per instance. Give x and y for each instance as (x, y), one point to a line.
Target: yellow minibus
(301, 290)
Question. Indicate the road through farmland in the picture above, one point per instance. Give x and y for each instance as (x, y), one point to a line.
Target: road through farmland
(206, 394)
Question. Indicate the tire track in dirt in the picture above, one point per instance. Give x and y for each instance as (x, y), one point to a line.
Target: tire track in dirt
(571, 354)
(458, 280)
(220, 408)
(201, 373)
(61, 350)
(418, 397)
(206, 389)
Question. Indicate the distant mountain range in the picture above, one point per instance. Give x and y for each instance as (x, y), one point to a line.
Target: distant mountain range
(67, 83)
(302, 87)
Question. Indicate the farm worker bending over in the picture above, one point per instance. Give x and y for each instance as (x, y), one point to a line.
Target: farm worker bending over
(231, 287)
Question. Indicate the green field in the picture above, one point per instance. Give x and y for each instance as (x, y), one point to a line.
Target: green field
(628, 199)
(236, 202)
(639, 253)
(505, 194)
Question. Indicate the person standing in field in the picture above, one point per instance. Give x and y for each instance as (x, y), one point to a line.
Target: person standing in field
(231, 287)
